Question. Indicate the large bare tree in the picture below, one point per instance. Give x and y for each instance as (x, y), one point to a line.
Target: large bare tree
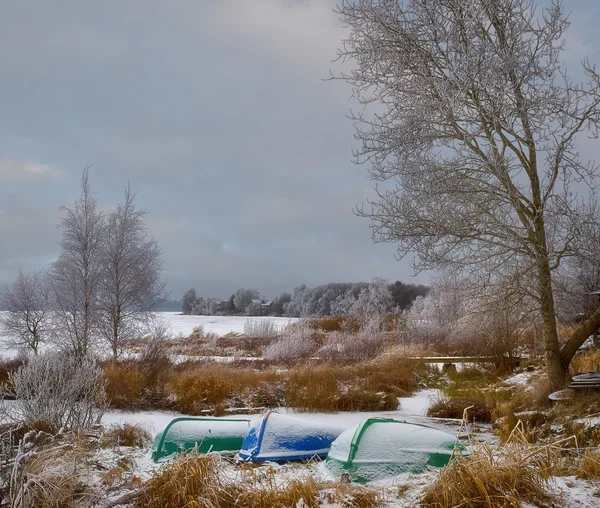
(27, 302)
(474, 133)
(76, 274)
(131, 288)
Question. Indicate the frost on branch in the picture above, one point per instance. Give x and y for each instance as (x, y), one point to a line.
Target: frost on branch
(65, 391)
(296, 341)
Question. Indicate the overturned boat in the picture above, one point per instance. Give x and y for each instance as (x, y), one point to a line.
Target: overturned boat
(206, 434)
(380, 448)
(276, 437)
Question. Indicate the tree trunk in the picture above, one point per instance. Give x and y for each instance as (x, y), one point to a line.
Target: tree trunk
(587, 328)
(557, 372)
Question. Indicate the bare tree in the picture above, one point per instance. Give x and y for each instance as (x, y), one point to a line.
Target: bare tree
(130, 288)
(27, 303)
(476, 129)
(76, 274)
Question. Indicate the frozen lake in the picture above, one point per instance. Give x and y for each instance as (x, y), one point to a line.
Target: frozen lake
(181, 326)
(221, 325)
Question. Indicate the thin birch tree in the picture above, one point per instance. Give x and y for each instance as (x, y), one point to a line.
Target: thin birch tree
(131, 288)
(27, 301)
(76, 274)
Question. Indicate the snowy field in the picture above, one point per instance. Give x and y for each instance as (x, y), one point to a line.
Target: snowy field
(181, 326)
(221, 325)
(411, 409)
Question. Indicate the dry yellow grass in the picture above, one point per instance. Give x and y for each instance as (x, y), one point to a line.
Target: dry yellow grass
(515, 474)
(196, 387)
(589, 468)
(54, 476)
(352, 496)
(136, 435)
(586, 362)
(195, 481)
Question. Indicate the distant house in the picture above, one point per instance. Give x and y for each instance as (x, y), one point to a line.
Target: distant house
(259, 307)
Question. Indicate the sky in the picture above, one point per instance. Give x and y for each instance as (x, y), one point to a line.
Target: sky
(218, 113)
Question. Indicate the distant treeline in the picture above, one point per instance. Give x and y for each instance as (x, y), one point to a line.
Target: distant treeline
(323, 300)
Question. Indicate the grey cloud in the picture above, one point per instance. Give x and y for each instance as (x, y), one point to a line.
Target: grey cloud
(216, 112)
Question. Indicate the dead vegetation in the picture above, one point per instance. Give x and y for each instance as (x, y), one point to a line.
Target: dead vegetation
(506, 477)
(199, 480)
(589, 361)
(136, 435)
(211, 387)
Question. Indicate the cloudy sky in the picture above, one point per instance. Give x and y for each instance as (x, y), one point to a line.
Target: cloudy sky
(217, 113)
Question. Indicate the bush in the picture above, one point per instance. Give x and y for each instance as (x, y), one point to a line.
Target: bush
(260, 328)
(339, 323)
(296, 342)
(359, 347)
(62, 390)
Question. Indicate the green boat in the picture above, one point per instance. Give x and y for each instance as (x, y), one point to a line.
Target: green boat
(206, 434)
(380, 448)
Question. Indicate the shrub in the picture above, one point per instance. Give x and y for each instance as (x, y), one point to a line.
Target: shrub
(296, 342)
(62, 390)
(260, 328)
(9, 366)
(359, 347)
(339, 323)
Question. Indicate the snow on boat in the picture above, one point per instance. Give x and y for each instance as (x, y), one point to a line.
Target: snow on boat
(276, 437)
(208, 434)
(379, 448)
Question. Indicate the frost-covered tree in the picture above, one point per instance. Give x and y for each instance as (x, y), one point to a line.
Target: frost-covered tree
(243, 298)
(279, 303)
(27, 301)
(476, 126)
(188, 301)
(131, 288)
(77, 273)
(405, 294)
(317, 301)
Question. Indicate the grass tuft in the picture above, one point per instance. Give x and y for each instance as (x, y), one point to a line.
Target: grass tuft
(516, 474)
(136, 435)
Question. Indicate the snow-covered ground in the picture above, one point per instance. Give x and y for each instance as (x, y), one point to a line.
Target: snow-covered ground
(220, 325)
(411, 409)
(180, 326)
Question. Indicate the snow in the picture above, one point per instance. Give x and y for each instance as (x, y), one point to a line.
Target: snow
(288, 436)
(411, 409)
(181, 326)
(220, 325)
(576, 492)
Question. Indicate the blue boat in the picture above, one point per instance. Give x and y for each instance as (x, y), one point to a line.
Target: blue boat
(275, 437)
